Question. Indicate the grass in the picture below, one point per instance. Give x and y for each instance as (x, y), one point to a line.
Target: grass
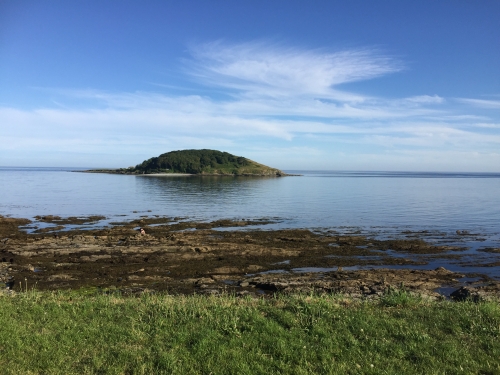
(86, 333)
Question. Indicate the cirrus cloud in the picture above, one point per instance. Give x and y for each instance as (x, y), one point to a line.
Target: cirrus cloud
(269, 70)
(256, 96)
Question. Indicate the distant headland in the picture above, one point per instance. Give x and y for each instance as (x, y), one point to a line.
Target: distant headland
(197, 162)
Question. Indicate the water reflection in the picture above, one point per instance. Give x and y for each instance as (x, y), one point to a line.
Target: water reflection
(366, 200)
(210, 196)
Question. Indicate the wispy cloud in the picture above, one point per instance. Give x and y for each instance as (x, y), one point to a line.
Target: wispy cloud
(260, 69)
(425, 99)
(482, 103)
(487, 125)
(274, 98)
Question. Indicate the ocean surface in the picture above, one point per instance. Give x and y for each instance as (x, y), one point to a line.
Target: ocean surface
(376, 203)
(445, 201)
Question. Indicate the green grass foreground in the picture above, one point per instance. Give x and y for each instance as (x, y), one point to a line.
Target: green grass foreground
(73, 333)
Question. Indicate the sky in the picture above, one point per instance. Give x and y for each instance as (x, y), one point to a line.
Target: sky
(389, 85)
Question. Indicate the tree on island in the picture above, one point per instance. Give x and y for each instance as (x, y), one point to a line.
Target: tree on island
(203, 162)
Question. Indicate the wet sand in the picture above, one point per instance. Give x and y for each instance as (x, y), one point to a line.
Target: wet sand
(185, 257)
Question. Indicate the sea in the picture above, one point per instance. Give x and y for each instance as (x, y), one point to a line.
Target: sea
(452, 208)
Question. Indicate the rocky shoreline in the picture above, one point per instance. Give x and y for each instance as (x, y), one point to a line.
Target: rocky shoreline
(124, 171)
(186, 257)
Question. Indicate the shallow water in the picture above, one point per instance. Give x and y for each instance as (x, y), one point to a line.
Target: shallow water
(432, 206)
(429, 201)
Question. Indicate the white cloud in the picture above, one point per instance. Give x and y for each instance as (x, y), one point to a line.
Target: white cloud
(278, 99)
(425, 99)
(487, 125)
(482, 103)
(266, 70)
(429, 160)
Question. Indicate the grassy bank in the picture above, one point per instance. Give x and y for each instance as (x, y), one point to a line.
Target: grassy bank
(69, 333)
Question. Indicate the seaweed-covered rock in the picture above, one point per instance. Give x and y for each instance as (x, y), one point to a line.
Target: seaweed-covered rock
(463, 294)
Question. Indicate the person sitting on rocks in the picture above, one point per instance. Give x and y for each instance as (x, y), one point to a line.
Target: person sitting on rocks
(142, 230)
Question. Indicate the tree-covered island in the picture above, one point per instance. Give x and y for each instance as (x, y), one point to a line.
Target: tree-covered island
(197, 162)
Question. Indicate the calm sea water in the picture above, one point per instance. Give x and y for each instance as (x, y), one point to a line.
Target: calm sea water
(316, 199)
(370, 202)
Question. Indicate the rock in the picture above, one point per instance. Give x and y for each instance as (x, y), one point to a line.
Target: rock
(463, 294)
(267, 286)
(226, 270)
(243, 293)
(10, 284)
(209, 292)
(204, 280)
(254, 267)
(203, 249)
(443, 270)
(59, 277)
(365, 289)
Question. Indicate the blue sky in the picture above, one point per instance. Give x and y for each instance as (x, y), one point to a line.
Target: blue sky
(338, 85)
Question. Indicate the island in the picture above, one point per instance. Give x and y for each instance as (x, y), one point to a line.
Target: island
(197, 162)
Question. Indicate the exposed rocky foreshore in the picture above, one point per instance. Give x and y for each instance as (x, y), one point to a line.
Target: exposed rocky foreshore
(191, 257)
